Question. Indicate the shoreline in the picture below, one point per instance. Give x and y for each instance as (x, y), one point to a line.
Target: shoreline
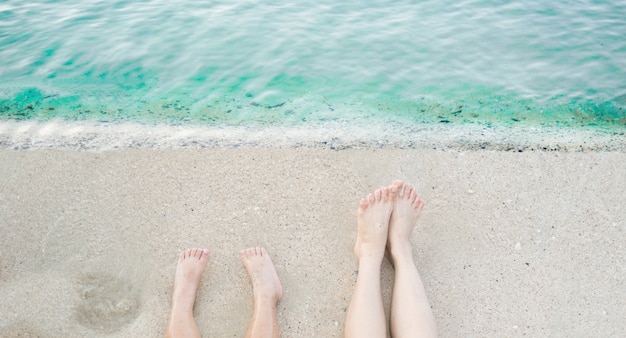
(105, 136)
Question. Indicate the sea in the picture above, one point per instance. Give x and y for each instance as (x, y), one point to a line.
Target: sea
(330, 73)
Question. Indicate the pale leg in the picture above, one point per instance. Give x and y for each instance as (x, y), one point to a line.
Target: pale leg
(411, 315)
(366, 314)
(190, 265)
(267, 291)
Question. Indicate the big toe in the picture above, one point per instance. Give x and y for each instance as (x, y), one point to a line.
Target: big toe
(397, 183)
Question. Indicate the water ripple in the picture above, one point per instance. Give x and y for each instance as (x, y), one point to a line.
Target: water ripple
(384, 51)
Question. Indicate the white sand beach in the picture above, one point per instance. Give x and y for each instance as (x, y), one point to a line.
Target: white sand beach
(510, 244)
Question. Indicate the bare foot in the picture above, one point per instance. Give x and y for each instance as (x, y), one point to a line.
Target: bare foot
(191, 263)
(265, 282)
(406, 211)
(373, 223)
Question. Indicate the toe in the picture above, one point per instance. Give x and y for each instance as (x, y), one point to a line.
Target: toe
(408, 190)
(398, 185)
(418, 204)
(363, 204)
(385, 194)
(378, 194)
(393, 191)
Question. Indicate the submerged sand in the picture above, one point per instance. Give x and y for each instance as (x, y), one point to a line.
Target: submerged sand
(510, 244)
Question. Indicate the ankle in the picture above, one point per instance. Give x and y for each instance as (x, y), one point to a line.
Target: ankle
(184, 304)
(265, 301)
(182, 309)
(402, 252)
(370, 265)
(371, 258)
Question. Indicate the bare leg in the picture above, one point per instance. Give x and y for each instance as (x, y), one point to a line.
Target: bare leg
(267, 291)
(191, 263)
(366, 315)
(411, 315)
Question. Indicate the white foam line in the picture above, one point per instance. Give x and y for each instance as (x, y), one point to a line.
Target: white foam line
(100, 136)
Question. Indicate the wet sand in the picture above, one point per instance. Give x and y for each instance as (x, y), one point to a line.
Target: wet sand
(510, 244)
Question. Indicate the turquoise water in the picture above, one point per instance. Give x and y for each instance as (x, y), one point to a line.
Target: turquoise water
(277, 62)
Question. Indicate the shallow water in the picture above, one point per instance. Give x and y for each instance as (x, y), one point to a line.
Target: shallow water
(276, 62)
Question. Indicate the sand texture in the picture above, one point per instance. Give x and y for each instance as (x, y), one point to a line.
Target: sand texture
(509, 244)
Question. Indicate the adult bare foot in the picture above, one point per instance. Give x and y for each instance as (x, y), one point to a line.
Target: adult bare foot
(411, 314)
(267, 291)
(407, 207)
(191, 263)
(366, 313)
(265, 282)
(373, 223)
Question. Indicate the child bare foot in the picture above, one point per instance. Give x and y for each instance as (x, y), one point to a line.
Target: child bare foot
(191, 263)
(406, 211)
(373, 223)
(265, 282)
